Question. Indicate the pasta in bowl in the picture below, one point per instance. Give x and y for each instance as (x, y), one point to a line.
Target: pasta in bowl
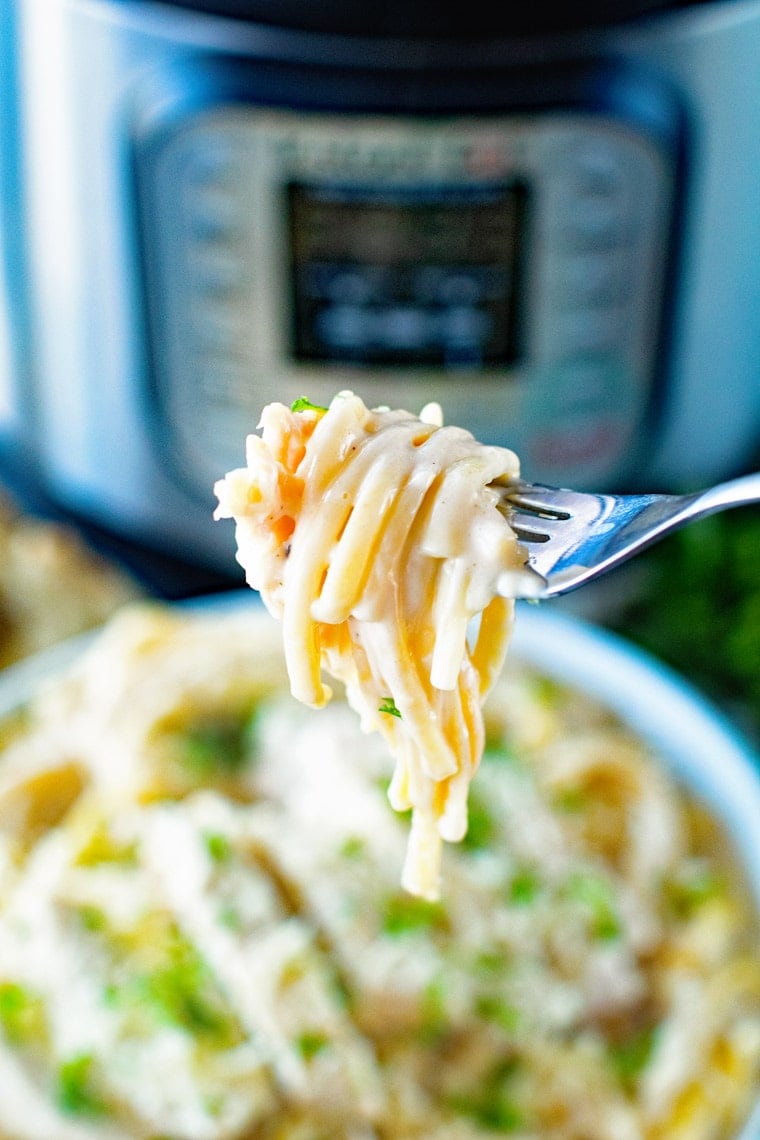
(202, 933)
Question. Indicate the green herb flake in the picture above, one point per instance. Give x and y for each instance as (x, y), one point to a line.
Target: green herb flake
(388, 705)
(481, 828)
(493, 1106)
(216, 745)
(495, 1010)
(22, 1016)
(499, 1115)
(572, 801)
(92, 918)
(408, 914)
(76, 1092)
(181, 991)
(214, 1104)
(691, 889)
(311, 1042)
(491, 962)
(433, 1016)
(112, 995)
(524, 887)
(218, 847)
(303, 404)
(597, 897)
(631, 1056)
(353, 847)
(547, 691)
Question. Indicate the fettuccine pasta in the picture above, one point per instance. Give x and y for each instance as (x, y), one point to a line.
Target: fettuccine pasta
(375, 537)
(202, 935)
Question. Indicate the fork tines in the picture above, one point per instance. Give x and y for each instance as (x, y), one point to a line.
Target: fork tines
(529, 514)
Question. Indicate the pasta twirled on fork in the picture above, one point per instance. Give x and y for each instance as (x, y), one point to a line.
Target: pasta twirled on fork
(374, 535)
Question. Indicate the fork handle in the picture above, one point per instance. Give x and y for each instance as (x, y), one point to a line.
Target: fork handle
(734, 493)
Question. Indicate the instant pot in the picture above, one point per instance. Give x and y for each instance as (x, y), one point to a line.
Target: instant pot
(546, 220)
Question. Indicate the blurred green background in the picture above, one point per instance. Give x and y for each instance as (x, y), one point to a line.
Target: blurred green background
(694, 601)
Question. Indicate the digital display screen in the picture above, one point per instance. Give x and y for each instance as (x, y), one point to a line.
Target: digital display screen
(406, 276)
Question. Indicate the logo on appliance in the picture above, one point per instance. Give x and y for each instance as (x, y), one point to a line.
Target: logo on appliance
(369, 154)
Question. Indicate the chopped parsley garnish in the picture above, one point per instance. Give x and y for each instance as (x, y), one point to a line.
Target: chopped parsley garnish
(407, 914)
(547, 691)
(631, 1056)
(494, 1009)
(388, 705)
(181, 992)
(22, 1016)
(353, 847)
(303, 404)
(434, 1021)
(492, 961)
(218, 847)
(480, 823)
(220, 744)
(92, 918)
(690, 889)
(76, 1091)
(571, 800)
(492, 1106)
(597, 897)
(491, 1115)
(178, 988)
(311, 1042)
(524, 887)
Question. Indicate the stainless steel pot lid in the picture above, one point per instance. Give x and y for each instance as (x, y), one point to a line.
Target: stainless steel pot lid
(433, 20)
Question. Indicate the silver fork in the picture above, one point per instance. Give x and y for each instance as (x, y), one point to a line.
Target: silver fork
(573, 537)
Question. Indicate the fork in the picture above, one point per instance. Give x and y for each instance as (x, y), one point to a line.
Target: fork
(573, 537)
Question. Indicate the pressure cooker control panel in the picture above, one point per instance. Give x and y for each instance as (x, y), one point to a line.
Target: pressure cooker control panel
(512, 268)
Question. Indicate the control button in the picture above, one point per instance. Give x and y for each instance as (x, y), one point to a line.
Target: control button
(211, 215)
(344, 284)
(345, 327)
(587, 330)
(400, 328)
(216, 326)
(463, 326)
(460, 289)
(588, 224)
(210, 162)
(350, 286)
(598, 171)
(214, 269)
(459, 285)
(404, 327)
(587, 278)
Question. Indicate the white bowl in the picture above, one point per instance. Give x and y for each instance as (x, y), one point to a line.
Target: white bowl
(703, 749)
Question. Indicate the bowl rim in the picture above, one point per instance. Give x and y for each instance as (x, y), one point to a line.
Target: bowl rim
(701, 746)
(698, 742)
